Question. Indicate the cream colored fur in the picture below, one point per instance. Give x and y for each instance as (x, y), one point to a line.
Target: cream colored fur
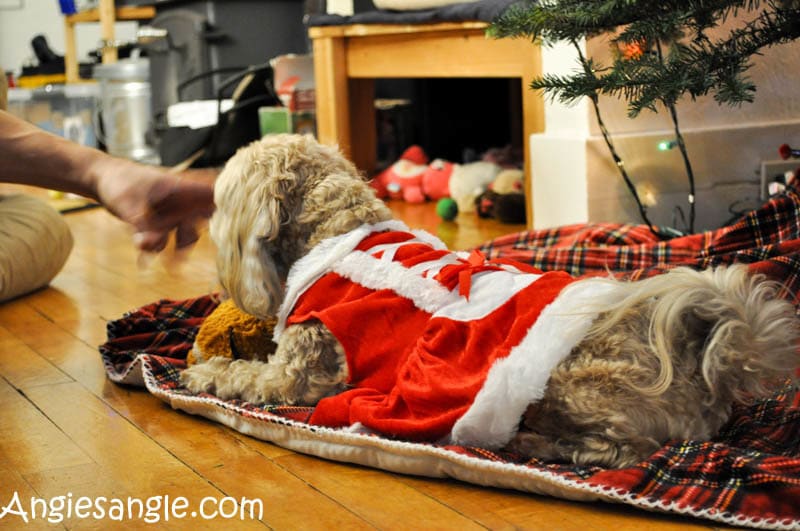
(668, 361)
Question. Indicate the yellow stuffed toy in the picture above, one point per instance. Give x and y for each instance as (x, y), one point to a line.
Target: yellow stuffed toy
(231, 333)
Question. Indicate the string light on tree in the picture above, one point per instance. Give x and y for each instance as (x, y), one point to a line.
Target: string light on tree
(666, 145)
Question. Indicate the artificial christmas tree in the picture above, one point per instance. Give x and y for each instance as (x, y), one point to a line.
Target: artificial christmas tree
(663, 51)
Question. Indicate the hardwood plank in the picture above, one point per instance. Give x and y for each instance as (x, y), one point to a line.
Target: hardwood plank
(23, 367)
(375, 495)
(31, 442)
(140, 464)
(14, 484)
(504, 509)
(239, 465)
(465, 232)
(51, 342)
(95, 481)
(125, 462)
(52, 325)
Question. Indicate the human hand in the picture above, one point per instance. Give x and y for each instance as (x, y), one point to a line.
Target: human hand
(156, 202)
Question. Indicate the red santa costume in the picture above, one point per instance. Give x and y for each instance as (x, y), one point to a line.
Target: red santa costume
(440, 346)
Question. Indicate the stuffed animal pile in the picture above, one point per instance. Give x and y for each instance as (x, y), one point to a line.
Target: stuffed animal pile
(459, 188)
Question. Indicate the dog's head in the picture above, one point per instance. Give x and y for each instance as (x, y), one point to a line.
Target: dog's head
(275, 199)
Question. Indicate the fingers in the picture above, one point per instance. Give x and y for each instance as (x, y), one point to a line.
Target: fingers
(186, 235)
(179, 210)
(154, 241)
(151, 241)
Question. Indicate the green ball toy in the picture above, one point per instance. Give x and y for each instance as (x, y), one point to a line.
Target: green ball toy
(447, 209)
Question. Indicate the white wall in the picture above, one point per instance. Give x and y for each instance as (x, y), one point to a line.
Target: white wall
(19, 26)
(574, 179)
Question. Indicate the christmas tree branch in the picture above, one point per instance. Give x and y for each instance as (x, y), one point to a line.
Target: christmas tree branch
(698, 67)
(665, 51)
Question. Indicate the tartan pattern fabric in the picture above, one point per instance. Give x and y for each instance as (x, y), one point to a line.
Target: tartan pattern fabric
(768, 239)
(749, 474)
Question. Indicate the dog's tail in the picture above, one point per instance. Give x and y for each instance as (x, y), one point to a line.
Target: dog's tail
(730, 325)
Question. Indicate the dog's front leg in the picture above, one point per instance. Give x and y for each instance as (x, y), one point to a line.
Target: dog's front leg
(308, 365)
(218, 376)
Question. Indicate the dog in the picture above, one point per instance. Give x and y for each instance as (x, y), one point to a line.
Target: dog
(591, 371)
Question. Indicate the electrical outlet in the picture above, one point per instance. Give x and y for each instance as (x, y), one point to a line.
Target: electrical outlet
(774, 169)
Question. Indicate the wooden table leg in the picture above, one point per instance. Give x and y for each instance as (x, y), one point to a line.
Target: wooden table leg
(332, 93)
(363, 140)
(532, 118)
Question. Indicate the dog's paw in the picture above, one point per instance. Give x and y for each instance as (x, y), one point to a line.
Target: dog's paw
(202, 377)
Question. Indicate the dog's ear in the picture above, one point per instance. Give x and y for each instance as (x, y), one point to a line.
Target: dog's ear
(252, 195)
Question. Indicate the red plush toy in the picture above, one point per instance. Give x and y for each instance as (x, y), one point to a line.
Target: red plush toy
(436, 179)
(403, 179)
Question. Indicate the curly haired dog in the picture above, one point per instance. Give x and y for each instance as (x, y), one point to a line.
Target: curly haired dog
(383, 329)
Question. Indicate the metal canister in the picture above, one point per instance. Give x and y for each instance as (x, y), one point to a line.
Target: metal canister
(125, 108)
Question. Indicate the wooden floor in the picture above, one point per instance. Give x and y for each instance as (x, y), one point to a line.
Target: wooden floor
(68, 431)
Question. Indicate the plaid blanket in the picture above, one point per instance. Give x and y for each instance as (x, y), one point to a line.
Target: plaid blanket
(749, 474)
(768, 239)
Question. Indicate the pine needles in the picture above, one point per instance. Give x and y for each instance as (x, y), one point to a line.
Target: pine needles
(663, 52)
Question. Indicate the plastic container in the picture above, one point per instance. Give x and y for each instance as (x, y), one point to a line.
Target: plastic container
(66, 110)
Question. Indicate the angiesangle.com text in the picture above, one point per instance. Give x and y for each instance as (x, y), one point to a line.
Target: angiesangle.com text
(151, 510)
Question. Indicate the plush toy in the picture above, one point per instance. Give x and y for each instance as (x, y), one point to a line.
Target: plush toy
(468, 181)
(403, 179)
(509, 181)
(412, 179)
(505, 198)
(507, 157)
(436, 179)
(231, 333)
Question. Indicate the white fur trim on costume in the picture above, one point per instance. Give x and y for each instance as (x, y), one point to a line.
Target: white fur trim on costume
(322, 258)
(373, 273)
(489, 291)
(518, 380)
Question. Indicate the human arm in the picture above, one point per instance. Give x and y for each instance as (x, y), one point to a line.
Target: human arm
(150, 198)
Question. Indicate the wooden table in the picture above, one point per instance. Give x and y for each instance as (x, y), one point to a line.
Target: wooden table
(347, 60)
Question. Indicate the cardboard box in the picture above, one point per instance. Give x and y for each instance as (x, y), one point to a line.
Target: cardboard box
(294, 81)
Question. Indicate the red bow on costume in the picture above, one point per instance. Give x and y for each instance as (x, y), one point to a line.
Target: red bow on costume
(475, 263)
(462, 272)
